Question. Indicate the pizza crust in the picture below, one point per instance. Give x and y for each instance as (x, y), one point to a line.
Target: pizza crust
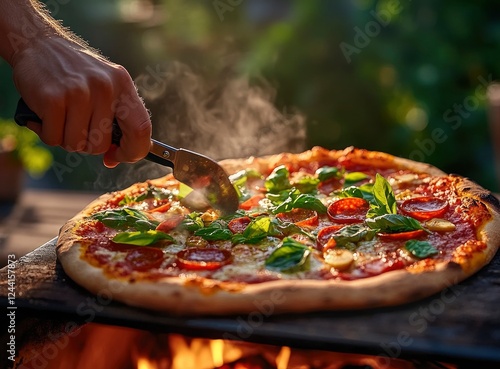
(183, 296)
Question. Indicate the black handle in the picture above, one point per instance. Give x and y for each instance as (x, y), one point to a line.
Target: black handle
(24, 115)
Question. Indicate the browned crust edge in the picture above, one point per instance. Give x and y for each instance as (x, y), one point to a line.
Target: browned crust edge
(176, 296)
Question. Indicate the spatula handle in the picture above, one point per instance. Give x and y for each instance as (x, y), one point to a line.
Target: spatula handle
(24, 115)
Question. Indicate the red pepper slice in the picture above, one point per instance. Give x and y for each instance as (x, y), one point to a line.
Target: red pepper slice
(425, 207)
(144, 258)
(252, 202)
(348, 210)
(170, 223)
(300, 217)
(195, 258)
(401, 235)
(238, 225)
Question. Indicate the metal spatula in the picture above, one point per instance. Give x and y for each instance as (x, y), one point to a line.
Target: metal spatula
(195, 170)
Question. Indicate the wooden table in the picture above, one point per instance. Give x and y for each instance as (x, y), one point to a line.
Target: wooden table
(36, 219)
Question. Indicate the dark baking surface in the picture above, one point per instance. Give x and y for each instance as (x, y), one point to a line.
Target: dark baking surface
(461, 324)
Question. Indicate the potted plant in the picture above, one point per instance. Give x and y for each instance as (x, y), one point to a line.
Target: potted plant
(21, 151)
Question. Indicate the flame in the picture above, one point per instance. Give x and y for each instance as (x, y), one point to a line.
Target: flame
(283, 358)
(217, 348)
(144, 363)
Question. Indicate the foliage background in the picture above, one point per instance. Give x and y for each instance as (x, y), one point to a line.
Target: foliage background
(416, 74)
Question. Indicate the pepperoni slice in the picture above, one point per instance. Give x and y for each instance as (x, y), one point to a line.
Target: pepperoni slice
(238, 225)
(252, 202)
(144, 258)
(301, 217)
(401, 235)
(348, 210)
(425, 207)
(203, 259)
(325, 235)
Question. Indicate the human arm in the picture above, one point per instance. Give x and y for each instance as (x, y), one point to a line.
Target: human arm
(73, 89)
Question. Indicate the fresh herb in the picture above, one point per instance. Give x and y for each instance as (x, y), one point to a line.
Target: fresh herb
(143, 238)
(302, 201)
(125, 218)
(291, 256)
(393, 223)
(256, 231)
(278, 180)
(349, 236)
(215, 231)
(365, 191)
(192, 222)
(420, 249)
(384, 201)
(307, 184)
(353, 177)
(326, 173)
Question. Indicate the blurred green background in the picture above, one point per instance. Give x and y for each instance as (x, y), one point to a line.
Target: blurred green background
(405, 77)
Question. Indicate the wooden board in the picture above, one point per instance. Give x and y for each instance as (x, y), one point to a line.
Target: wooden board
(461, 324)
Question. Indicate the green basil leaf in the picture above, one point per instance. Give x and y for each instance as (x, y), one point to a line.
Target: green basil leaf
(145, 238)
(353, 177)
(192, 222)
(239, 181)
(278, 180)
(393, 223)
(351, 235)
(291, 256)
(365, 191)
(326, 173)
(216, 231)
(307, 184)
(256, 231)
(384, 201)
(125, 218)
(302, 201)
(420, 249)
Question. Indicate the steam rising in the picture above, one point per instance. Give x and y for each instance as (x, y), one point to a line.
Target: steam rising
(221, 116)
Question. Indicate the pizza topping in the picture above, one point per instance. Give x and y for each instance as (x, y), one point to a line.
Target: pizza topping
(408, 235)
(439, 225)
(171, 222)
(144, 258)
(300, 217)
(348, 210)
(195, 258)
(353, 178)
(293, 199)
(351, 235)
(325, 173)
(340, 259)
(291, 256)
(425, 207)
(215, 231)
(143, 238)
(126, 218)
(252, 202)
(278, 180)
(325, 235)
(393, 223)
(384, 201)
(238, 225)
(420, 249)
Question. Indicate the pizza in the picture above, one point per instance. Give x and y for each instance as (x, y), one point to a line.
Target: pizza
(318, 230)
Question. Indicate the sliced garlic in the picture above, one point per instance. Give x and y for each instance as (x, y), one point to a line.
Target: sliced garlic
(439, 225)
(339, 258)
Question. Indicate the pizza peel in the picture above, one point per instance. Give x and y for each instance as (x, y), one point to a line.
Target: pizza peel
(195, 170)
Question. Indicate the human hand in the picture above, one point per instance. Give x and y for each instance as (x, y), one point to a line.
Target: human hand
(77, 94)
